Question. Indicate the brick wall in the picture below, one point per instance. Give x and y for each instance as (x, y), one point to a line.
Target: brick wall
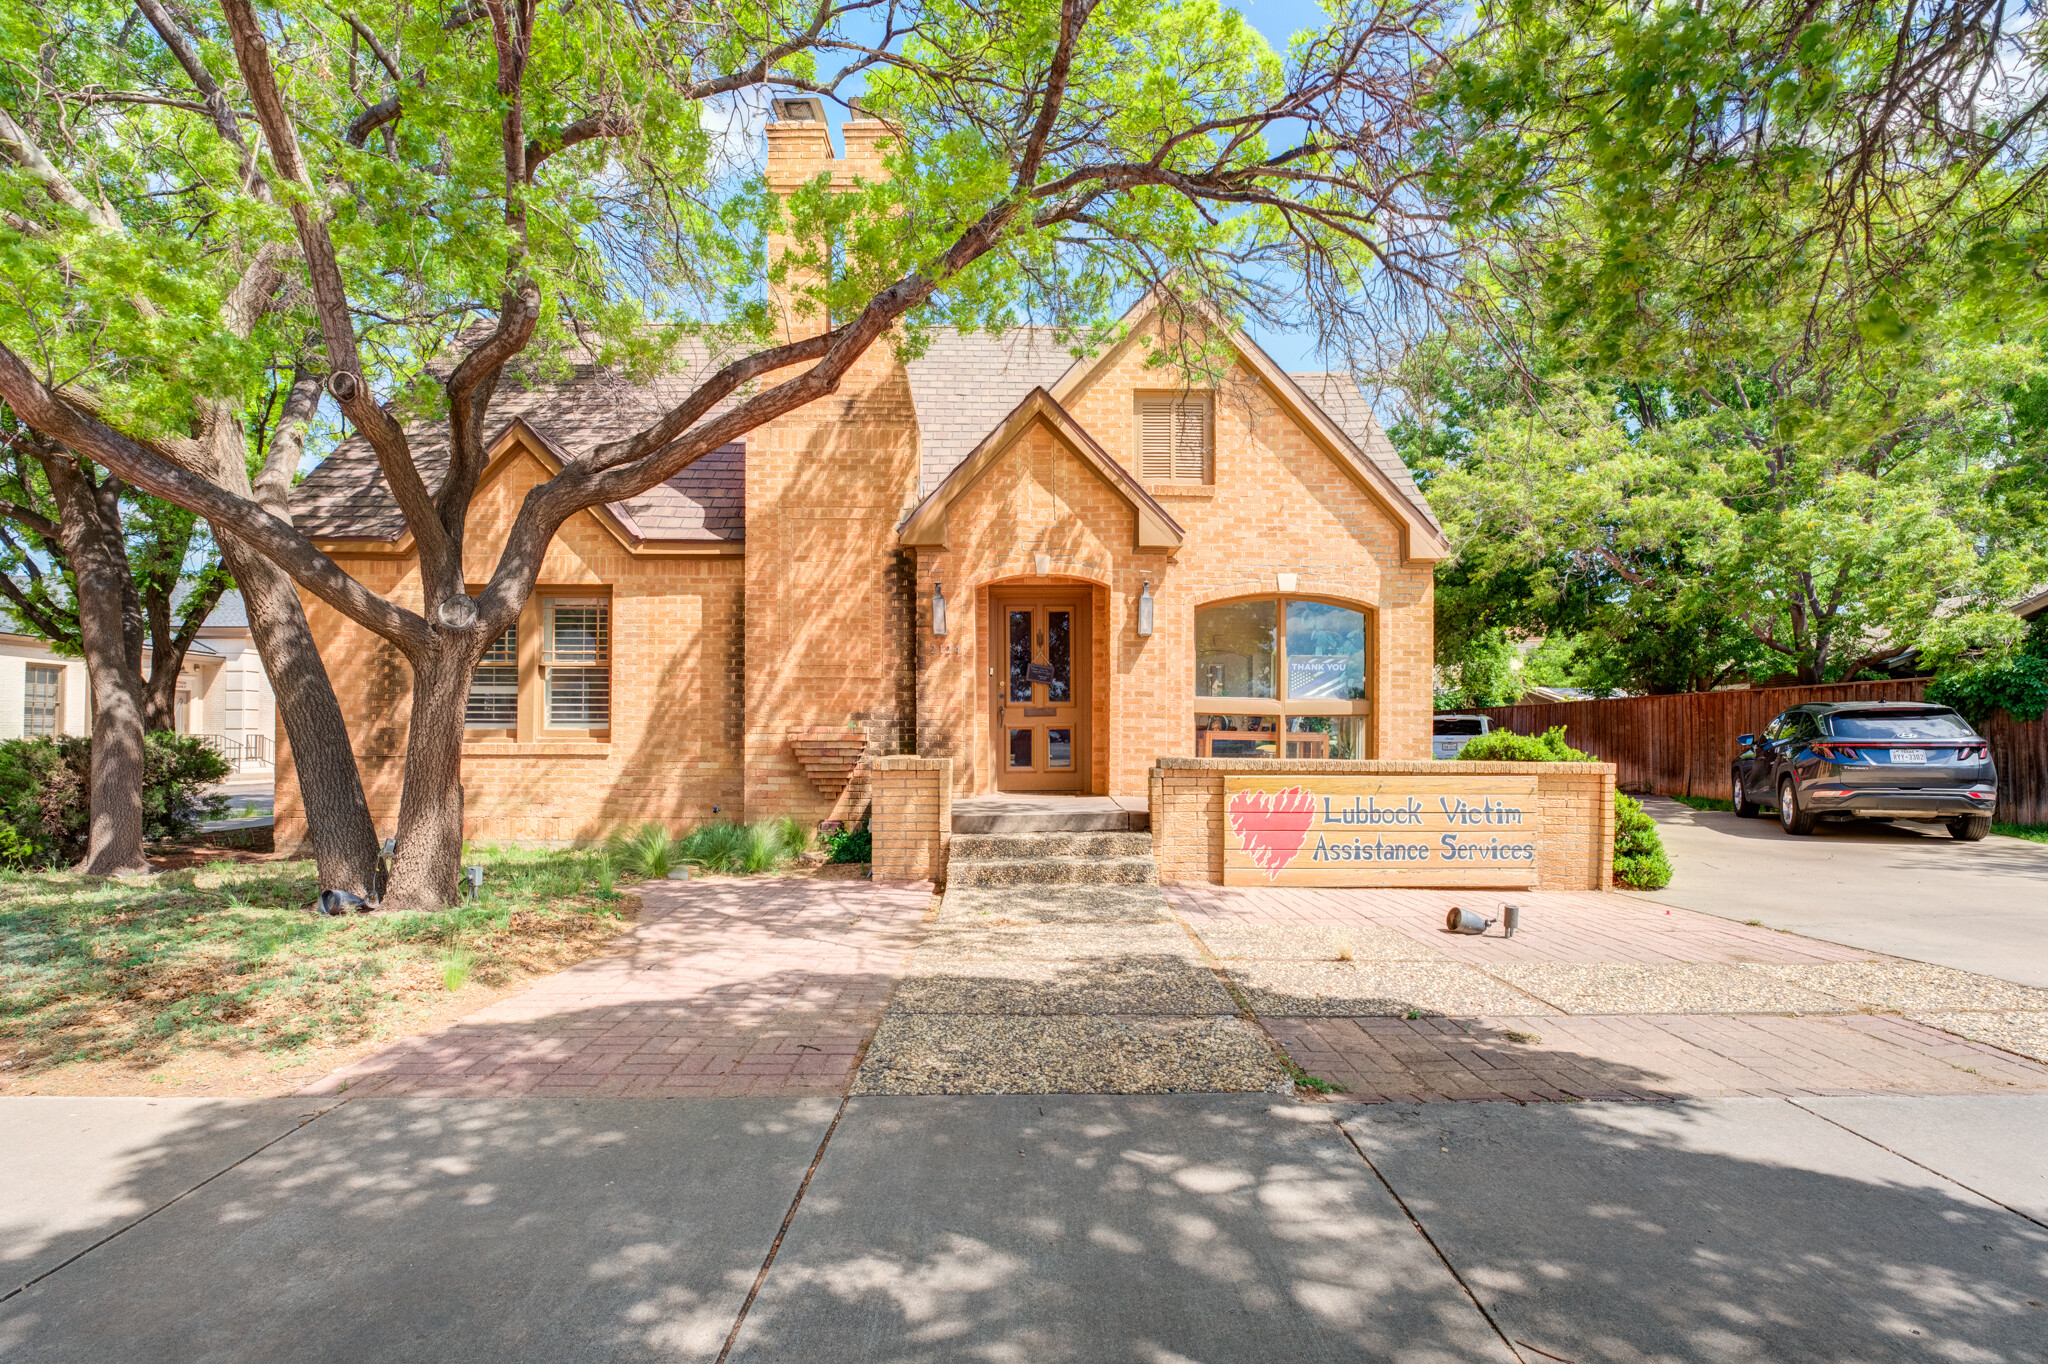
(1278, 504)
(828, 594)
(672, 753)
(1575, 805)
(911, 818)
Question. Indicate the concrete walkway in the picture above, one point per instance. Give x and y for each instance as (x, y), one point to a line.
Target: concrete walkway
(1904, 889)
(1160, 1229)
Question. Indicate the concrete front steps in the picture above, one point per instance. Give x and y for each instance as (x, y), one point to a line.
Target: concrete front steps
(1054, 858)
(1026, 813)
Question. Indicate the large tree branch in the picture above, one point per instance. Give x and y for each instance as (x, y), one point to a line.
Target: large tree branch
(23, 151)
(150, 471)
(586, 129)
(209, 89)
(1073, 16)
(330, 294)
(57, 629)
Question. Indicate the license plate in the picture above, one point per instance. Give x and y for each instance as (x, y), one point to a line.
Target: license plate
(1909, 755)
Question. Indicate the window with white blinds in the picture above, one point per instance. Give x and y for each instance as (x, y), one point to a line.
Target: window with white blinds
(1174, 437)
(494, 687)
(576, 656)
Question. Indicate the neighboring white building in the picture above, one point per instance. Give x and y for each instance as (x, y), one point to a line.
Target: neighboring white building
(222, 690)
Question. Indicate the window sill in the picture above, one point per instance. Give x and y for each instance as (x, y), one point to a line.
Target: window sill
(536, 748)
(1180, 489)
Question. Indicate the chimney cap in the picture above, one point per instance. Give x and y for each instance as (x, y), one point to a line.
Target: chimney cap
(798, 109)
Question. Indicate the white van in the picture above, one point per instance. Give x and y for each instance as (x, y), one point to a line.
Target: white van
(1451, 733)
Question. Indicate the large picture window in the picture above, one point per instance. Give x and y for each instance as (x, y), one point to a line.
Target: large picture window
(1280, 677)
(576, 657)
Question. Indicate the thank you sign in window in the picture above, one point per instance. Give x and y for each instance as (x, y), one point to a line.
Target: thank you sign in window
(1299, 830)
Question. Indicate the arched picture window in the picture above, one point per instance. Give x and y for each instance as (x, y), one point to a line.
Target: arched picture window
(1282, 677)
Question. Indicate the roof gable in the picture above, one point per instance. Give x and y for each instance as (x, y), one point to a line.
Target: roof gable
(1386, 479)
(1154, 528)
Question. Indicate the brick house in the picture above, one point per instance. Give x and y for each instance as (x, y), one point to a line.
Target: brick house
(1131, 564)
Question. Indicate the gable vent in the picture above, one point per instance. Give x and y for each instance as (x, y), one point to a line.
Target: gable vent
(1173, 437)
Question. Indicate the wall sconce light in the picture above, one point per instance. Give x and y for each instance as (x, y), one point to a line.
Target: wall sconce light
(938, 609)
(1145, 609)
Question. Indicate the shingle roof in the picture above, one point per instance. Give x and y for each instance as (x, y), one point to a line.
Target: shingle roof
(229, 613)
(345, 496)
(966, 383)
(1339, 397)
(963, 386)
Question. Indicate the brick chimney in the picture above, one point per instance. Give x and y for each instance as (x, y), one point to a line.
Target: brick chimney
(799, 149)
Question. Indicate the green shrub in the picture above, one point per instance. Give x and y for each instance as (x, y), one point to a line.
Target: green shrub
(2018, 687)
(1639, 860)
(177, 770)
(850, 845)
(1505, 746)
(44, 800)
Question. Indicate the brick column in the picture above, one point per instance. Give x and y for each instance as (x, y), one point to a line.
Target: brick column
(911, 818)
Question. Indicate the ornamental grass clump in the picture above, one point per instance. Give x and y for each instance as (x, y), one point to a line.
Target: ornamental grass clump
(1639, 859)
(649, 851)
(722, 847)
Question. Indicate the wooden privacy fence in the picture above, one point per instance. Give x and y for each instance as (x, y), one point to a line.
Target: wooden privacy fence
(1684, 745)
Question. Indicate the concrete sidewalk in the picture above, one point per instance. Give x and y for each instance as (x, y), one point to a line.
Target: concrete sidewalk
(1064, 1228)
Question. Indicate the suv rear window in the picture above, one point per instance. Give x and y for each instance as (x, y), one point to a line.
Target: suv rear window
(1459, 726)
(1931, 724)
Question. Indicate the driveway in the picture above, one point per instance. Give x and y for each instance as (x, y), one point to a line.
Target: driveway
(1904, 889)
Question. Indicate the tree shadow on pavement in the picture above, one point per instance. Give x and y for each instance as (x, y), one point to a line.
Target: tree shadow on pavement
(1732, 1230)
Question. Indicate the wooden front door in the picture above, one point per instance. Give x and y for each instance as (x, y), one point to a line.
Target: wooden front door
(1040, 696)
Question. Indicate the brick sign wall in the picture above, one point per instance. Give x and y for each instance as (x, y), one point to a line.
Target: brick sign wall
(1544, 826)
(1384, 830)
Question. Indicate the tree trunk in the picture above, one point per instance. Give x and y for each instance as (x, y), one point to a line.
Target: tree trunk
(429, 861)
(114, 846)
(330, 788)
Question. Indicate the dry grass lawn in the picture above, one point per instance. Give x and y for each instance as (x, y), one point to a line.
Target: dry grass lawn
(222, 969)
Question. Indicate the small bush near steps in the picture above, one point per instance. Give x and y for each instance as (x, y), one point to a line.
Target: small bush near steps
(1639, 860)
(850, 845)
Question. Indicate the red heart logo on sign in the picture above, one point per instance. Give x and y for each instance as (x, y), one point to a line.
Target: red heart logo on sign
(1271, 826)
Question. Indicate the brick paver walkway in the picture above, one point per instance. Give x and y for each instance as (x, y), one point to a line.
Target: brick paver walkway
(1584, 926)
(1598, 1056)
(763, 987)
(776, 987)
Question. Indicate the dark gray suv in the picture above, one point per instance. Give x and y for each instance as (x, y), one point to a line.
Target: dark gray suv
(1868, 760)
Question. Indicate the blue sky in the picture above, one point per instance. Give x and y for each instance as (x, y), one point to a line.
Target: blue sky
(1279, 21)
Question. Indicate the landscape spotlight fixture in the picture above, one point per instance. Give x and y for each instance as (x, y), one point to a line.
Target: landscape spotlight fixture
(1465, 921)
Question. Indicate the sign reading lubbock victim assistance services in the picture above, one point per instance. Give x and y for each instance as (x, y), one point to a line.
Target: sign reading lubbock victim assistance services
(1379, 831)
